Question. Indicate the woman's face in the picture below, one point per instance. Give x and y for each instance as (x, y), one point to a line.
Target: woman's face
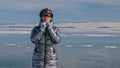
(46, 18)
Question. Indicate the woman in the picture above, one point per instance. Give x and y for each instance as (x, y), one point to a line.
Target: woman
(45, 36)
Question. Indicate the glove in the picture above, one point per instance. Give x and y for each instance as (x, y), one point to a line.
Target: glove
(49, 25)
(43, 26)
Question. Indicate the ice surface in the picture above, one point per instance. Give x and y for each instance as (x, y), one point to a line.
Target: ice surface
(103, 27)
(83, 45)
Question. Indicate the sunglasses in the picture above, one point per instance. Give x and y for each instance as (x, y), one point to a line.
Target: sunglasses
(47, 15)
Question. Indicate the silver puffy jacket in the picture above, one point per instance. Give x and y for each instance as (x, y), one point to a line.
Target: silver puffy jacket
(44, 55)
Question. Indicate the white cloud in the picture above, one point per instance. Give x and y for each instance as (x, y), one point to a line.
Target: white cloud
(60, 4)
(107, 2)
(30, 5)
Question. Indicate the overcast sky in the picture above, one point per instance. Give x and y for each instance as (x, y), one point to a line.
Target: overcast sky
(27, 11)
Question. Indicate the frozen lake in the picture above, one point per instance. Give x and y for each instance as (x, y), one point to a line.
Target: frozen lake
(79, 47)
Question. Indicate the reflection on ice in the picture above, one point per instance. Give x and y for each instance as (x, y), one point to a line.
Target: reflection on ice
(11, 44)
(99, 35)
(69, 46)
(90, 35)
(14, 32)
(87, 45)
(90, 46)
(18, 46)
(111, 47)
(28, 47)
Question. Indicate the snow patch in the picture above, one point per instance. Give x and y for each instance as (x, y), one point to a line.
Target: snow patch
(87, 45)
(69, 46)
(111, 47)
(11, 44)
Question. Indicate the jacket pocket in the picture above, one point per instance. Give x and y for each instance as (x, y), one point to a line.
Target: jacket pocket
(53, 53)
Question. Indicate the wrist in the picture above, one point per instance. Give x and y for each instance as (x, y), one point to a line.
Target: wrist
(43, 26)
(44, 23)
